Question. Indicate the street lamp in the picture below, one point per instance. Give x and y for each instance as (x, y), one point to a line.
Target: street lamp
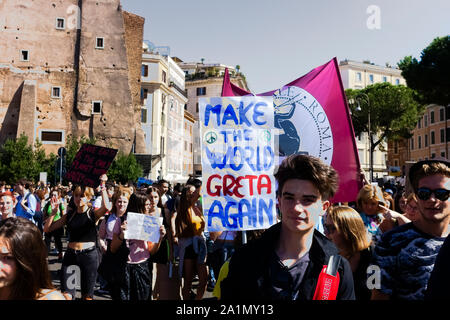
(365, 98)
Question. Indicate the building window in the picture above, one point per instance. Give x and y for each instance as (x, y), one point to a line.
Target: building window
(358, 77)
(419, 142)
(419, 123)
(201, 91)
(431, 117)
(185, 145)
(196, 107)
(397, 81)
(99, 43)
(164, 77)
(185, 106)
(441, 114)
(384, 79)
(143, 115)
(443, 154)
(60, 23)
(396, 147)
(426, 140)
(433, 138)
(442, 135)
(145, 70)
(433, 155)
(24, 55)
(412, 143)
(395, 163)
(425, 120)
(51, 136)
(56, 92)
(97, 107)
(162, 145)
(371, 78)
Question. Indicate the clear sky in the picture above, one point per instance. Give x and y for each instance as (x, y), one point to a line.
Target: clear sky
(277, 41)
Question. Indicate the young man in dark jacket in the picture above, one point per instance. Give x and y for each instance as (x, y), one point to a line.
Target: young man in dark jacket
(286, 261)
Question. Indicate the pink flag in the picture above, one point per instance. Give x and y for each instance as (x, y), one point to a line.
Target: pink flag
(313, 117)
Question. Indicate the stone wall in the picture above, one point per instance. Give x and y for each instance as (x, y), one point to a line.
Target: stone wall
(103, 74)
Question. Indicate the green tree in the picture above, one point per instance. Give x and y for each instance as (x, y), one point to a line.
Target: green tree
(43, 162)
(18, 159)
(430, 76)
(73, 144)
(124, 168)
(394, 111)
(16, 155)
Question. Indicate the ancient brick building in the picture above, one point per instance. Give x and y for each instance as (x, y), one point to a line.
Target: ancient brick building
(71, 67)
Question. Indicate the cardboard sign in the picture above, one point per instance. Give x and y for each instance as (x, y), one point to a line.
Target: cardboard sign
(89, 164)
(142, 227)
(238, 162)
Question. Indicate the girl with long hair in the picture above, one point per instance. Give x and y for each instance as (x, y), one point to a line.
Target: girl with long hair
(24, 273)
(133, 278)
(190, 225)
(81, 250)
(345, 227)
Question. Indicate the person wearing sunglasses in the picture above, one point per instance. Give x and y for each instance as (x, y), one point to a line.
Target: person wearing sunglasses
(406, 255)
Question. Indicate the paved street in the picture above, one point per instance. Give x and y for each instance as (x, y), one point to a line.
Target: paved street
(55, 266)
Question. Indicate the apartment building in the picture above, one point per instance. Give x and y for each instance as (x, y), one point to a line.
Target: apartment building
(205, 80)
(163, 104)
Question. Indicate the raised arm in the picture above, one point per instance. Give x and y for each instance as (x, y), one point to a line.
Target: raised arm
(106, 204)
(49, 224)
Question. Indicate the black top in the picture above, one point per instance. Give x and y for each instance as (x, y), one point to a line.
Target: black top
(81, 226)
(250, 275)
(285, 282)
(362, 292)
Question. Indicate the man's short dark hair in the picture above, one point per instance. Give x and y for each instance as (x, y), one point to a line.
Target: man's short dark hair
(160, 182)
(306, 167)
(197, 183)
(26, 183)
(422, 169)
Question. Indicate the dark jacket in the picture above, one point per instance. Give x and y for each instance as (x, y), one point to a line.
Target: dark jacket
(249, 271)
(439, 283)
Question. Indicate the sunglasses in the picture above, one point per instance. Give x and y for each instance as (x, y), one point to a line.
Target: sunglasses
(425, 194)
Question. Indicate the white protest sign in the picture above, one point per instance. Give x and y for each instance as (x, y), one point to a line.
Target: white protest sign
(142, 227)
(238, 162)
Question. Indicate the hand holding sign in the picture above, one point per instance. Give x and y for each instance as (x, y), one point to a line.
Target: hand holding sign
(143, 227)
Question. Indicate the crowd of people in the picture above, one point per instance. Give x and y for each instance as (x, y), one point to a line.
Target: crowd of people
(390, 243)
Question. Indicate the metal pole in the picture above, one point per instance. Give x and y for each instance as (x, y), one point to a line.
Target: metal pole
(60, 169)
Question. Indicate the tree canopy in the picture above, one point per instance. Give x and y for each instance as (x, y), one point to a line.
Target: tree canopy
(430, 76)
(394, 111)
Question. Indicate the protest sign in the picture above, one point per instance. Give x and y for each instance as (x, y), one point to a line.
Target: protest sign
(238, 161)
(89, 164)
(142, 227)
(313, 118)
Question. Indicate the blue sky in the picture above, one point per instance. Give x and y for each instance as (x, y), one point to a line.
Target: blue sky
(277, 41)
